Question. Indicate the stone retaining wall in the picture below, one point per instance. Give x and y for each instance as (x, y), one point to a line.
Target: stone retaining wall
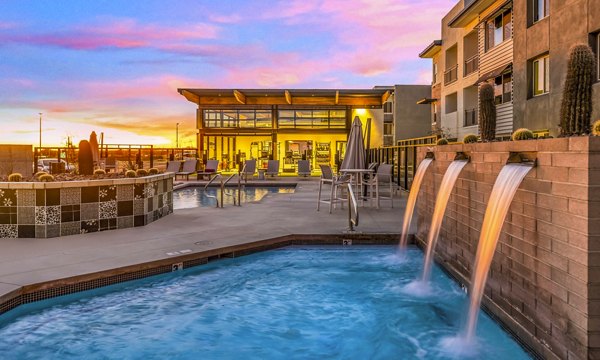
(45, 210)
(544, 281)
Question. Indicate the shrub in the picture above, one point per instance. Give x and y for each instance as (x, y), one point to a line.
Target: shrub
(130, 173)
(522, 134)
(596, 128)
(487, 112)
(86, 159)
(442, 141)
(153, 171)
(470, 139)
(46, 178)
(15, 177)
(141, 172)
(99, 172)
(39, 173)
(576, 107)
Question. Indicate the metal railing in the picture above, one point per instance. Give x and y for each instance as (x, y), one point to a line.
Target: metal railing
(222, 187)
(352, 204)
(451, 75)
(471, 64)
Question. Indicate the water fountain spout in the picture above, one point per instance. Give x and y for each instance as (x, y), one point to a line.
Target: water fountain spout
(430, 154)
(412, 198)
(461, 155)
(522, 158)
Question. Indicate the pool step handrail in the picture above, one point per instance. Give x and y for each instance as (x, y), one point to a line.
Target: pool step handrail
(218, 176)
(352, 204)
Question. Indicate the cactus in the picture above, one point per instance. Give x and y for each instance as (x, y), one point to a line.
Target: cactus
(522, 134)
(15, 177)
(46, 178)
(596, 128)
(141, 172)
(470, 138)
(39, 173)
(98, 172)
(130, 174)
(442, 141)
(86, 160)
(153, 171)
(576, 108)
(487, 112)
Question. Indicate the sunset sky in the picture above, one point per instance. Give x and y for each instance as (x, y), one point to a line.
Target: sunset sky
(114, 66)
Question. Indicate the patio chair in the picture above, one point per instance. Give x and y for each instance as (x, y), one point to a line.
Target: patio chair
(383, 178)
(335, 182)
(211, 169)
(248, 169)
(303, 168)
(172, 166)
(272, 168)
(110, 163)
(189, 167)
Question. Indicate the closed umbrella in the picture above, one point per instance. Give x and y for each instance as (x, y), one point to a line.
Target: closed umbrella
(94, 146)
(355, 149)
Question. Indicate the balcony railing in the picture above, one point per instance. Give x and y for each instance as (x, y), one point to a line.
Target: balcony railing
(470, 117)
(451, 75)
(471, 64)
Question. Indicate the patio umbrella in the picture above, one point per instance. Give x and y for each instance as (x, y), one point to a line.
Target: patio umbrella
(94, 146)
(355, 149)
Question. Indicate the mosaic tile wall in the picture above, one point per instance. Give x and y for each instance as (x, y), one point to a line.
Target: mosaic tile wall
(52, 212)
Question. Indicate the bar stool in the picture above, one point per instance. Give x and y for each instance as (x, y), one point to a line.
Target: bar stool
(335, 182)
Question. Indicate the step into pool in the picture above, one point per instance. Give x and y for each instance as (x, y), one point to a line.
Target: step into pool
(310, 302)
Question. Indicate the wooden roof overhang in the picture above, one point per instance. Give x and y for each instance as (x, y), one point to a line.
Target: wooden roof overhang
(357, 98)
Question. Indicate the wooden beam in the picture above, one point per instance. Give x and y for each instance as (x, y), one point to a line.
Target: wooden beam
(288, 97)
(337, 97)
(239, 96)
(191, 97)
(385, 96)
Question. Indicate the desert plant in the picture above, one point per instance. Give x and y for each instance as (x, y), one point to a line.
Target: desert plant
(15, 177)
(99, 172)
(522, 134)
(442, 141)
(46, 178)
(487, 112)
(576, 108)
(130, 173)
(596, 128)
(86, 159)
(141, 172)
(153, 171)
(470, 139)
(39, 173)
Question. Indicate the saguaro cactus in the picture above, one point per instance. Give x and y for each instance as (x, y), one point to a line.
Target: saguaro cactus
(86, 160)
(487, 112)
(576, 109)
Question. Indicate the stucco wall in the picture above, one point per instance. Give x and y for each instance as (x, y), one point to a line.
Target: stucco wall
(16, 159)
(410, 119)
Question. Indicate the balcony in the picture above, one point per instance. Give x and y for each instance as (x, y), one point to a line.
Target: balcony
(470, 117)
(471, 65)
(451, 75)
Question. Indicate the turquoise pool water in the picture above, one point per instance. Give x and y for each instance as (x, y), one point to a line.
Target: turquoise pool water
(292, 303)
(192, 197)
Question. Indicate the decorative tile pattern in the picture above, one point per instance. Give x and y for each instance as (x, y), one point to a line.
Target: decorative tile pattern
(40, 231)
(70, 228)
(108, 209)
(53, 230)
(107, 193)
(138, 191)
(52, 215)
(125, 192)
(89, 211)
(26, 197)
(52, 197)
(89, 194)
(40, 215)
(89, 226)
(108, 224)
(40, 197)
(138, 207)
(70, 196)
(26, 215)
(125, 208)
(26, 231)
(124, 222)
(8, 215)
(150, 190)
(70, 213)
(8, 231)
(8, 197)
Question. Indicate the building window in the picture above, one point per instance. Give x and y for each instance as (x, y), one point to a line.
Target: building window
(503, 88)
(499, 29)
(237, 119)
(435, 73)
(541, 75)
(541, 9)
(312, 119)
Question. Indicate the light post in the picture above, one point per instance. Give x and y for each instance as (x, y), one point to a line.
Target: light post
(177, 135)
(40, 130)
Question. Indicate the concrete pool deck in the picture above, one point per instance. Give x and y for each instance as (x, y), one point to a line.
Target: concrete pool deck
(27, 265)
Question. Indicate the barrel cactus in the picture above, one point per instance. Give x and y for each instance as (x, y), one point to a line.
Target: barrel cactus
(470, 139)
(130, 174)
(141, 172)
(442, 141)
(487, 112)
(99, 172)
(86, 159)
(596, 128)
(522, 134)
(153, 171)
(15, 177)
(39, 173)
(576, 108)
(46, 178)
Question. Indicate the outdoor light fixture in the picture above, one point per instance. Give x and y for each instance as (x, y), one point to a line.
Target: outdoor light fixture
(361, 111)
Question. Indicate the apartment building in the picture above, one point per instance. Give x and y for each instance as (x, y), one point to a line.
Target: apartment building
(521, 48)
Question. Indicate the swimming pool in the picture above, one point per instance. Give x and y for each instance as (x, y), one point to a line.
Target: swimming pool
(192, 197)
(295, 302)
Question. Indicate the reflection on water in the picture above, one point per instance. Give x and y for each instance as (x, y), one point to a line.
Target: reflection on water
(192, 197)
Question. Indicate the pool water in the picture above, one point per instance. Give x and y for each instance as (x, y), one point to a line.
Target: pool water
(192, 197)
(295, 302)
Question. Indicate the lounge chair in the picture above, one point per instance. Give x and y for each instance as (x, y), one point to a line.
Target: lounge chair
(189, 167)
(211, 169)
(272, 168)
(173, 166)
(249, 169)
(303, 168)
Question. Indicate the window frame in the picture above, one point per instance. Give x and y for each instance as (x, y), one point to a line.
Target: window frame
(535, 78)
(535, 12)
(491, 30)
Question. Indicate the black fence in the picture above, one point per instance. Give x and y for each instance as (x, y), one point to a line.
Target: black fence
(403, 157)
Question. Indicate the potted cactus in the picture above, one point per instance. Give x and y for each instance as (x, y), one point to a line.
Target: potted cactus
(576, 107)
